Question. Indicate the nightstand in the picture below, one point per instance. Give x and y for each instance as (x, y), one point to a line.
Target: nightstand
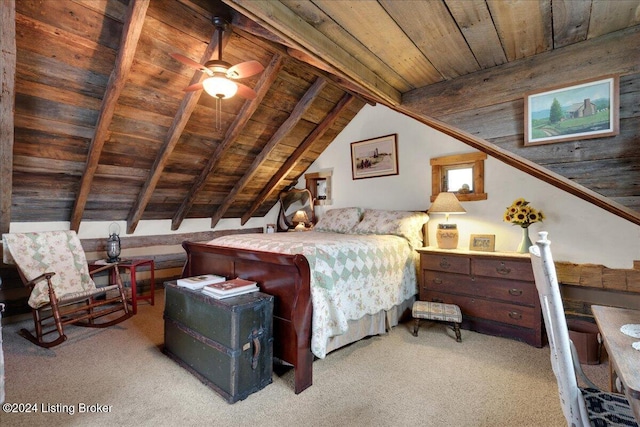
(132, 265)
(496, 291)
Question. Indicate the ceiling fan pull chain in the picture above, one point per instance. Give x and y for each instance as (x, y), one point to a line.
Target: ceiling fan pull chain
(218, 113)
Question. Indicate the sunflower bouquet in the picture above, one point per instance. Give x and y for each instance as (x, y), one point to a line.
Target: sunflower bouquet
(522, 214)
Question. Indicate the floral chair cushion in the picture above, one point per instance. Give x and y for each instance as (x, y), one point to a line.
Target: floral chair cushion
(52, 251)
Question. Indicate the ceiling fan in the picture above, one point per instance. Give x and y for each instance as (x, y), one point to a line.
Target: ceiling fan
(221, 83)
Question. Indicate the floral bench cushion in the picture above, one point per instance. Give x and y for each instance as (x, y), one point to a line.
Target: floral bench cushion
(51, 251)
(436, 311)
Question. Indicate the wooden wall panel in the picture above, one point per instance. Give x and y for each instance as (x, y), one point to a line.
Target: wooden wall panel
(490, 105)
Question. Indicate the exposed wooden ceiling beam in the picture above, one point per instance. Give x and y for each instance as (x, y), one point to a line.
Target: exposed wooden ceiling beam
(7, 107)
(291, 162)
(269, 41)
(508, 82)
(130, 34)
(269, 75)
(246, 27)
(180, 120)
(285, 24)
(295, 116)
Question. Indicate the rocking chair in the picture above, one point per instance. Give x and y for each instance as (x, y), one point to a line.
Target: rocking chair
(54, 267)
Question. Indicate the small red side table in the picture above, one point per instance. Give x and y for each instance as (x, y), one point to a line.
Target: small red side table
(132, 265)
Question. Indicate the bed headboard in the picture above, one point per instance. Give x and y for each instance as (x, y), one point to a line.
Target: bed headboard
(425, 234)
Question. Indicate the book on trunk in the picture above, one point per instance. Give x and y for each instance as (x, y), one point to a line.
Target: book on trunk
(229, 288)
(198, 282)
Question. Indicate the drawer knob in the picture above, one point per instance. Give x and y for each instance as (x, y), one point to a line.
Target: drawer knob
(515, 292)
(515, 315)
(503, 270)
(437, 280)
(444, 263)
(437, 300)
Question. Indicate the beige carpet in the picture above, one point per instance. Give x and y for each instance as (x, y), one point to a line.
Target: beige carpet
(391, 380)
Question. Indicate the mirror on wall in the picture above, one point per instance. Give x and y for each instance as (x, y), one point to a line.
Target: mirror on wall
(291, 202)
(319, 184)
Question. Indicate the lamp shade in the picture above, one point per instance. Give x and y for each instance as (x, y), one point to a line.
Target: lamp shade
(447, 235)
(220, 87)
(301, 218)
(446, 203)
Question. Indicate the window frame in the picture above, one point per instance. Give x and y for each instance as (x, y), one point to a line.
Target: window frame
(440, 165)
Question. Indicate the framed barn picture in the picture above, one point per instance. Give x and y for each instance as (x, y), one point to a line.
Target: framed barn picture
(374, 157)
(587, 109)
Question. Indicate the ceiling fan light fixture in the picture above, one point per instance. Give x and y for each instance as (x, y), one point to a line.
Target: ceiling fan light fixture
(220, 87)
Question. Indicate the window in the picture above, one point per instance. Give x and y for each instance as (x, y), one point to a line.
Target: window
(458, 178)
(462, 174)
(319, 184)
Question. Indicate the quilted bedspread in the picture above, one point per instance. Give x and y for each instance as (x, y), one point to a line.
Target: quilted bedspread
(351, 275)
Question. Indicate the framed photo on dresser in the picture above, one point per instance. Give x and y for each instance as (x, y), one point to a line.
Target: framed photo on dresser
(482, 242)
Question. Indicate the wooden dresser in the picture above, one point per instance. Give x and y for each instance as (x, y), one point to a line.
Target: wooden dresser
(495, 290)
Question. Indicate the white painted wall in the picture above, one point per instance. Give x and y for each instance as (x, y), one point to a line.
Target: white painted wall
(580, 232)
(98, 229)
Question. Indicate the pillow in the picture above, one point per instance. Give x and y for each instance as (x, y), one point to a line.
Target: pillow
(407, 224)
(339, 220)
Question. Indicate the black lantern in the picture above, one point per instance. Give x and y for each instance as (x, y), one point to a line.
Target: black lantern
(113, 243)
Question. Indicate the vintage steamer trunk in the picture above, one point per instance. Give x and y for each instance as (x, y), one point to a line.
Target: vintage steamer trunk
(227, 343)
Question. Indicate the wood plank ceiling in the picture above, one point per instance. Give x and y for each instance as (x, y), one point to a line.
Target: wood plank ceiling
(104, 131)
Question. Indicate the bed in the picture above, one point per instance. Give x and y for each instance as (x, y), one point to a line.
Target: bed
(353, 276)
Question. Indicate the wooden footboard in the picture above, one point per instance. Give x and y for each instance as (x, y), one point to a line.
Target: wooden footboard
(286, 277)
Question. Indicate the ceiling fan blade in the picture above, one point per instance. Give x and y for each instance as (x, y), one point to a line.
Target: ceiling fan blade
(190, 62)
(193, 87)
(245, 91)
(244, 69)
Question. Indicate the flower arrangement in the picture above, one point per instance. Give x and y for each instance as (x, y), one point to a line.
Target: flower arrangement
(522, 214)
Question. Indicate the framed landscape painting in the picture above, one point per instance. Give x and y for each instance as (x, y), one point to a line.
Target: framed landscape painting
(374, 157)
(587, 109)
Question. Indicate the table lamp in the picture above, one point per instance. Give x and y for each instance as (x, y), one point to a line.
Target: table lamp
(448, 204)
(301, 218)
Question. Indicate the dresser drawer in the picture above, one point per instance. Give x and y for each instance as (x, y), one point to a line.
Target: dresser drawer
(511, 314)
(511, 291)
(455, 264)
(496, 292)
(503, 269)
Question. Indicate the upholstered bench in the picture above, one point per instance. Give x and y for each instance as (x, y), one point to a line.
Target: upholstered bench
(437, 311)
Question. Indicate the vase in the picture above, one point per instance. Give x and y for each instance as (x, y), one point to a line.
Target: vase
(526, 241)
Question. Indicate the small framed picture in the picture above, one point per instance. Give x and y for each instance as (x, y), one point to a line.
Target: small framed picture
(482, 242)
(374, 157)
